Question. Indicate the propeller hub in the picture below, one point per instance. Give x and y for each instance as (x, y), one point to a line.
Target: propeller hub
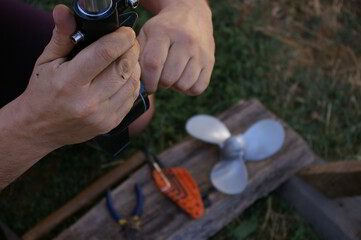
(233, 147)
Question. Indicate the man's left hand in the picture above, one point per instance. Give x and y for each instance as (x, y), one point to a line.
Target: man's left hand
(177, 48)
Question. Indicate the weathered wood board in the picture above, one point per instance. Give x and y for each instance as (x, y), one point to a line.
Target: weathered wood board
(323, 214)
(333, 219)
(352, 207)
(85, 197)
(334, 180)
(162, 220)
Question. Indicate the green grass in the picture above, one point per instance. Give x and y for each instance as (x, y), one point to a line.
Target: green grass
(324, 108)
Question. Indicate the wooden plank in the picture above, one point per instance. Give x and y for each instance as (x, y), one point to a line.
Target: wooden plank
(162, 220)
(324, 215)
(335, 180)
(352, 207)
(85, 197)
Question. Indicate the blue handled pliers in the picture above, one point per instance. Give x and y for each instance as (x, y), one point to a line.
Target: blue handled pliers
(132, 225)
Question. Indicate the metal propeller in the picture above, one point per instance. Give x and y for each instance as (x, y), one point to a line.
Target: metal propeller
(260, 141)
(199, 127)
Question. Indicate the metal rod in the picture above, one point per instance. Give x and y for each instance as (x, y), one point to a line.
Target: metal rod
(94, 6)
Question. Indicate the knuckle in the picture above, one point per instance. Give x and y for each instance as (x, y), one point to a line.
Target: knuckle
(97, 122)
(167, 79)
(199, 88)
(152, 27)
(105, 52)
(58, 86)
(127, 35)
(106, 126)
(57, 39)
(189, 40)
(183, 85)
(130, 34)
(56, 65)
(167, 82)
(152, 63)
(196, 91)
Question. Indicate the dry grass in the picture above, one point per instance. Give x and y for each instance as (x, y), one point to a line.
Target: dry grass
(323, 37)
(323, 54)
(312, 29)
(275, 223)
(300, 58)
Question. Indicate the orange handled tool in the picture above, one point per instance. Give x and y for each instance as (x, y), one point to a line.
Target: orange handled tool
(178, 185)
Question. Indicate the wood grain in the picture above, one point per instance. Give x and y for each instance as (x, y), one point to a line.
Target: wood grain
(325, 215)
(352, 207)
(335, 180)
(162, 220)
(332, 219)
(85, 197)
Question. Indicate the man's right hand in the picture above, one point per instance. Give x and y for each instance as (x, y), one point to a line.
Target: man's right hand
(69, 102)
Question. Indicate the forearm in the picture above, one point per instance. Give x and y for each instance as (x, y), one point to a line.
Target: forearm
(19, 150)
(155, 6)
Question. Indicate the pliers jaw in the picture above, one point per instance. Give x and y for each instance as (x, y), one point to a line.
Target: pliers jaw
(131, 226)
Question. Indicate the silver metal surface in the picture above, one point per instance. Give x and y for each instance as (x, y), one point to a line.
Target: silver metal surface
(94, 7)
(233, 147)
(260, 141)
(264, 139)
(132, 3)
(77, 37)
(230, 177)
(208, 129)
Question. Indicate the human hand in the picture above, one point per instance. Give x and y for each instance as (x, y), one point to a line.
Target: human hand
(177, 48)
(73, 101)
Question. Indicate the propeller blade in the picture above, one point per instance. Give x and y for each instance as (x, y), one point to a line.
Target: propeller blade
(263, 139)
(230, 177)
(208, 129)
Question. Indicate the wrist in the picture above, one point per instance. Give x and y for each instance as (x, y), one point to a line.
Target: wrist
(18, 149)
(166, 3)
(199, 7)
(24, 128)
(155, 6)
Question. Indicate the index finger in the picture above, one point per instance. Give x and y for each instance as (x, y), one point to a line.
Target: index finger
(92, 60)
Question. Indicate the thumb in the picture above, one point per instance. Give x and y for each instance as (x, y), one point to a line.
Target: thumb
(60, 44)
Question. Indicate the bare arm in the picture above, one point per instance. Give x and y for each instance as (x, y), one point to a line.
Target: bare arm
(18, 149)
(68, 102)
